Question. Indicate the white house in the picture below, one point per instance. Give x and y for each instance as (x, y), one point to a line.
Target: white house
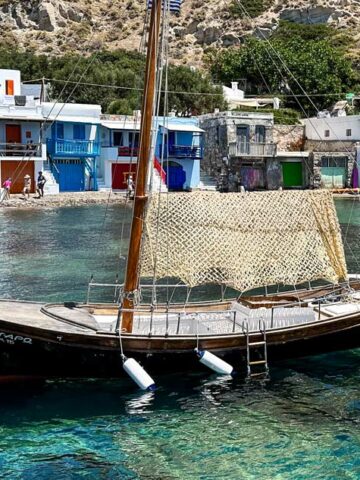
(72, 134)
(333, 128)
(22, 147)
(236, 98)
(333, 142)
(178, 141)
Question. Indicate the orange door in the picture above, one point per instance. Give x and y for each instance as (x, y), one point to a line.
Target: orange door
(17, 170)
(13, 133)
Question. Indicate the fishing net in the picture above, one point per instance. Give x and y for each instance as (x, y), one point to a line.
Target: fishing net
(243, 240)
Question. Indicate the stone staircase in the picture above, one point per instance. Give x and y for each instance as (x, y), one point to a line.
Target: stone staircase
(101, 185)
(207, 182)
(51, 185)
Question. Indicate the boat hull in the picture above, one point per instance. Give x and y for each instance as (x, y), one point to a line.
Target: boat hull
(25, 350)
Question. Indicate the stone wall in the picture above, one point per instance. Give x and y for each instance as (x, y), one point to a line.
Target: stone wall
(345, 147)
(289, 138)
(316, 166)
(221, 129)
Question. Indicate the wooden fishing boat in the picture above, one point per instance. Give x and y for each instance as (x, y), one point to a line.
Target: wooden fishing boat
(243, 240)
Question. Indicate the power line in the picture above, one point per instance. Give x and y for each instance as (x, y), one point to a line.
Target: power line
(118, 87)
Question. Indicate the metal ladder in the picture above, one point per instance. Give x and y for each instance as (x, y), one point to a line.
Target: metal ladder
(256, 367)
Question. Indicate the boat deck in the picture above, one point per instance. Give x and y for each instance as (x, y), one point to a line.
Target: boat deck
(26, 313)
(92, 320)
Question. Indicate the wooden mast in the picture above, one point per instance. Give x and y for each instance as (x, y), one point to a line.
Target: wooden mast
(132, 268)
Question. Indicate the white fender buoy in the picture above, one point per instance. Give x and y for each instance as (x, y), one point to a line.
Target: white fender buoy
(214, 363)
(138, 374)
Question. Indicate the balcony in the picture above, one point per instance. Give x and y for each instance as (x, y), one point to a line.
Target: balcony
(73, 148)
(252, 149)
(128, 151)
(182, 151)
(20, 150)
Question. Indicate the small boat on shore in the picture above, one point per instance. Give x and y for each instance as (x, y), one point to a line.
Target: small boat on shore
(238, 240)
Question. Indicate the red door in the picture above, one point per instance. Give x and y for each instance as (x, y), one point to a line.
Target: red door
(120, 173)
(13, 133)
(17, 171)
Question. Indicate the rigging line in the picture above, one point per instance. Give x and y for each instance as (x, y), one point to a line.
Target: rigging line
(302, 89)
(134, 132)
(43, 126)
(290, 72)
(279, 71)
(144, 98)
(118, 87)
(308, 169)
(67, 82)
(162, 64)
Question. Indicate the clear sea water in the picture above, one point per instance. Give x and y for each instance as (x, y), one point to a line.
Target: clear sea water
(302, 424)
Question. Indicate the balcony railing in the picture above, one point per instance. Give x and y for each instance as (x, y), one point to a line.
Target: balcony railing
(20, 149)
(252, 149)
(73, 148)
(128, 151)
(183, 151)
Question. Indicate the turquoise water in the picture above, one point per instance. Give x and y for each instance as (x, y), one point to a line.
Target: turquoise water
(303, 423)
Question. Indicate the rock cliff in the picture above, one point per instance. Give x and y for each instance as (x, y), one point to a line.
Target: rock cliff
(59, 26)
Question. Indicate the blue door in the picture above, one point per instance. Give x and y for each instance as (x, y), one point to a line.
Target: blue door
(71, 175)
(175, 176)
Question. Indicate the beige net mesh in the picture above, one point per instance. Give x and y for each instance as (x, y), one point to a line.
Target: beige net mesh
(243, 240)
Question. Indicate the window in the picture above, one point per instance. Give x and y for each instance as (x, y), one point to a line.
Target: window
(118, 139)
(327, 133)
(79, 131)
(340, 162)
(9, 87)
(348, 132)
(242, 133)
(60, 131)
(133, 139)
(260, 134)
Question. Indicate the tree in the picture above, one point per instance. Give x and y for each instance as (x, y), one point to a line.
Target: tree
(114, 80)
(316, 67)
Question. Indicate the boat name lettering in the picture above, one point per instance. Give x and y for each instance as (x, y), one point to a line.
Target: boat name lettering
(11, 339)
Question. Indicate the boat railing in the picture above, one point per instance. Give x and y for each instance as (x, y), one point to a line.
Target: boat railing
(115, 290)
(217, 322)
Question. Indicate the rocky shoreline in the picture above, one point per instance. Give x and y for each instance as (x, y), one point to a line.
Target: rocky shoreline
(65, 199)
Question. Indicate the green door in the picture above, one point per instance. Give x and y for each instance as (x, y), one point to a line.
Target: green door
(333, 177)
(292, 174)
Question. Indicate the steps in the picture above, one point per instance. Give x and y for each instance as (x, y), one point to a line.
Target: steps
(157, 183)
(256, 353)
(51, 185)
(207, 182)
(102, 186)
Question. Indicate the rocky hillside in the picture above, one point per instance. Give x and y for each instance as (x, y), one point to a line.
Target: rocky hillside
(59, 26)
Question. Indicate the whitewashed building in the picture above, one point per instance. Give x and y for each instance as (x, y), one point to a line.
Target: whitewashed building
(22, 145)
(334, 143)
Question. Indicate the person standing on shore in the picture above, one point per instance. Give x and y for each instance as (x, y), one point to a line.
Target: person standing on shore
(7, 187)
(27, 186)
(130, 188)
(40, 184)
